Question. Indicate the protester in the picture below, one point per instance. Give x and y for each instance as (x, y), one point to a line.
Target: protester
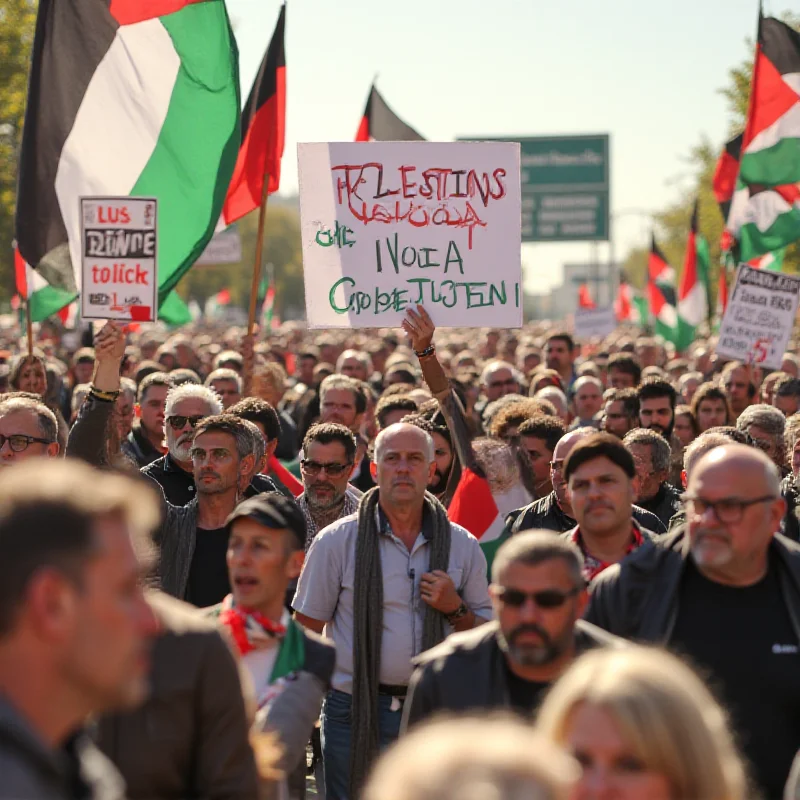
(685, 429)
(710, 407)
(28, 429)
(765, 426)
(539, 595)
(652, 454)
(657, 406)
(74, 625)
(290, 667)
(499, 379)
(559, 354)
(453, 759)
(737, 380)
(687, 386)
(554, 512)
(587, 399)
(327, 459)
(729, 581)
(642, 725)
(624, 371)
(227, 384)
(353, 590)
(600, 473)
(621, 412)
(447, 465)
(538, 437)
(787, 396)
(393, 408)
(190, 737)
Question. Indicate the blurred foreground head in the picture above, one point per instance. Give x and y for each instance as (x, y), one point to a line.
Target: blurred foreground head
(489, 758)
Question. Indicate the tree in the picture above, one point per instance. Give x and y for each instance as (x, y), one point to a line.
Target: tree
(281, 248)
(17, 23)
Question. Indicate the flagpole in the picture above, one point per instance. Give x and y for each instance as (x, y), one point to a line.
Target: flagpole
(29, 326)
(251, 319)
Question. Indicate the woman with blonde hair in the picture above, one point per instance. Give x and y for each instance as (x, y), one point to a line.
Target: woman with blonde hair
(643, 726)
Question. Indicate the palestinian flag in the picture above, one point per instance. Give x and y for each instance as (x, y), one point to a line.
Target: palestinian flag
(661, 293)
(475, 507)
(263, 132)
(765, 208)
(770, 261)
(174, 311)
(221, 299)
(726, 173)
(381, 124)
(43, 299)
(266, 298)
(771, 145)
(629, 305)
(693, 307)
(127, 98)
(585, 297)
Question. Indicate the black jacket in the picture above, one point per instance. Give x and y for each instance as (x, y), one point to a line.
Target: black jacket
(467, 672)
(178, 485)
(790, 527)
(638, 598)
(138, 447)
(546, 514)
(665, 504)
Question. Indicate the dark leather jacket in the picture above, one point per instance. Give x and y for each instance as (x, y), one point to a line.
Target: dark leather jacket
(665, 503)
(467, 672)
(138, 447)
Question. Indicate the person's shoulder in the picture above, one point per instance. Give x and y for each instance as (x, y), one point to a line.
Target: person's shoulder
(460, 533)
(338, 534)
(178, 617)
(465, 644)
(154, 467)
(645, 560)
(647, 519)
(589, 635)
(320, 655)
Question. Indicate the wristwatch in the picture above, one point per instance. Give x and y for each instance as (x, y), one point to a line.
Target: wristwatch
(460, 612)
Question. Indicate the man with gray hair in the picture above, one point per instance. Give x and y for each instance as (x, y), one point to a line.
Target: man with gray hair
(499, 378)
(28, 429)
(587, 400)
(186, 406)
(227, 383)
(386, 583)
(766, 426)
(355, 364)
(651, 454)
(725, 592)
(539, 596)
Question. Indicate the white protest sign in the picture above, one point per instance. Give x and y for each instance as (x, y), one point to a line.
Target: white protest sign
(759, 319)
(118, 258)
(594, 322)
(224, 248)
(387, 225)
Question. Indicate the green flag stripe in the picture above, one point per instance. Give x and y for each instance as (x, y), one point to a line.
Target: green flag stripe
(48, 301)
(784, 230)
(772, 166)
(189, 174)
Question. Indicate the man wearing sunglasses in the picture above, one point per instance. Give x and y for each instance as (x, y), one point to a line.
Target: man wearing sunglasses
(326, 465)
(28, 429)
(499, 379)
(538, 595)
(724, 591)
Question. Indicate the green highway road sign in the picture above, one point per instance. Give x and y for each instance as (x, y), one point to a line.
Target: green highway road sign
(565, 187)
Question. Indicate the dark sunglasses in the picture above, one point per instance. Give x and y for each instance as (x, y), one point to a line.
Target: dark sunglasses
(314, 468)
(547, 598)
(178, 422)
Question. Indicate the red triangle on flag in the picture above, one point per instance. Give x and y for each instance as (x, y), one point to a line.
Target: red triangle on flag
(473, 505)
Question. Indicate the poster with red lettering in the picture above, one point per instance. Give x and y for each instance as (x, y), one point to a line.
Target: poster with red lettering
(388, 225)
(119, 258)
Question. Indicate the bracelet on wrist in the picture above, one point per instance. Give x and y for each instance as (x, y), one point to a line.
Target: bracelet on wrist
(106, 396)
(426, 353)
(458, 614)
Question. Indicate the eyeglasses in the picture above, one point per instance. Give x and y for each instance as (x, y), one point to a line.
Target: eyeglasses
(333, 469)
(547, 598)
(19, 441)
(178, 422)
(725, 510)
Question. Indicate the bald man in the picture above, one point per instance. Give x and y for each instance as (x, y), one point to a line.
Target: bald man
(429, 573)
(724, 591)
(553, 512)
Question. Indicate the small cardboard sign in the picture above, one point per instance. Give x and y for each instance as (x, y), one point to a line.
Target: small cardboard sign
(591, 322)
(759, 319)
(118, 258)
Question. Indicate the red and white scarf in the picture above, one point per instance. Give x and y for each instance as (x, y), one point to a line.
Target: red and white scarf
(250, 629)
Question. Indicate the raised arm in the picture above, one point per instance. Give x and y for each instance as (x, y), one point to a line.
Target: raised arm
(420, 328)
(88, 439)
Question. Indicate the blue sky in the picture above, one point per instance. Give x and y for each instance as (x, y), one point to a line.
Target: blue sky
(645, 72)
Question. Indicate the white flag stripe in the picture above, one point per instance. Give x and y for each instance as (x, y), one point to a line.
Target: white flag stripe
(692, 308)
(111, 141)
(785, 127)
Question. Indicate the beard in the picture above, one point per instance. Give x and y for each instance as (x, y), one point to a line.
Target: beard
(181, 448)
(327, 501)
(528, 655)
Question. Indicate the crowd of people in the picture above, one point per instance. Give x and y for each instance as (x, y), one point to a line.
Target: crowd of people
(411, 563)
